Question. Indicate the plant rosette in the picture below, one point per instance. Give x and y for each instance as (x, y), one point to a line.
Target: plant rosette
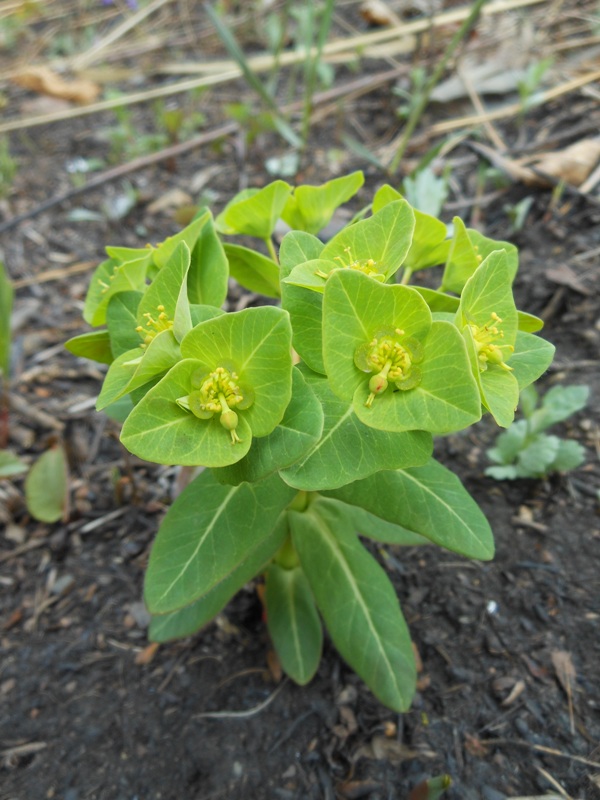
(234, 382)
(401, 369)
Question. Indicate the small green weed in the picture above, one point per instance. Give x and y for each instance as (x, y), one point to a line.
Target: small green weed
(525, 451)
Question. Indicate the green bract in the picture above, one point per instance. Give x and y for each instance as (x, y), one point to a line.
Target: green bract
(312, 422)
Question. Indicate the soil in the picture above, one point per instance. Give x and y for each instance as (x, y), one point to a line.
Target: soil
(509, 689)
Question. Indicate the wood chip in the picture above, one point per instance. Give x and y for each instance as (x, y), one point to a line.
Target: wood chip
(147, 654)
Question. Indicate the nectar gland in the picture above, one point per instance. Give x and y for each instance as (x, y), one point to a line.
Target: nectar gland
(488, 352)
(392, 357)
(218, 392)
(366, 265)
(154, 326)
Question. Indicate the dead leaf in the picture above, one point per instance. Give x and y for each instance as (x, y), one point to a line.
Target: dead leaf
(274, 666)
(573, 164)
(475, 747)
(515, 692)
(565, 671)
(44, 81)
(353, 790)
(382, 749)
(146, 655)
(174, 198)
(377, 13)
(565, 276)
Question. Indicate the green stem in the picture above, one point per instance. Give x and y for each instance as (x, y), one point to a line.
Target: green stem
(406, 276)
(286, 556)
(271, 248)
(417, 112)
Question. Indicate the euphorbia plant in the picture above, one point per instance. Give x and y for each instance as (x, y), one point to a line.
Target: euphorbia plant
(310, 419)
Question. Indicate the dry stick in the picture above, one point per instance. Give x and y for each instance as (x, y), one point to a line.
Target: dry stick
(353, 87)
(55, 274)
(417, 112)
(267, 63)
(539, 748)
(87, 58)
(492, 133)
(513, 108)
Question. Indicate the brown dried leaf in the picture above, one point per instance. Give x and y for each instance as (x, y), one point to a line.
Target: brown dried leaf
(565, 671)
(565, 276)
(515, 692)
(376, 12)
(174, 198)
(382, 749)
(146, 655)
(44, 81)
(573, 164)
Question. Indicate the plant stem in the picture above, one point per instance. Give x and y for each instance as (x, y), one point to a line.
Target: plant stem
(313, 66)
(271, 249)
(420, 107)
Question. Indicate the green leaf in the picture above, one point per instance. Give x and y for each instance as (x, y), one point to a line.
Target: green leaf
(293, 622)
(355, 309)
(468, 249)
(362, 615)
(310, 208)
(6, 303)
(428, 500)
(109, 279)
(209, 531)
(46, 486)
(529, 323)
(188, 237)
(208, 275)
(257, 343)
(570, 455)
(531, 358)
(10, 464)
(537, 457)
(377, 246)
(438, 301)
(429, 246)
(188, 620)
(138, 367)
(380, 530)
(121, 320)
(296, 434)
(254, 212)
(159, 430)
(297, 247)
(506, 472)
(253, 270)
(304, 307)
(95, 345)
(165, 303)
(558, 404)
(487, 316)
(120, 409)
(445, 400)
(348, 450)
(509, 443)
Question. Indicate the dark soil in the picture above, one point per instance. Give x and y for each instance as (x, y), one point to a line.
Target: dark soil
(89, 710)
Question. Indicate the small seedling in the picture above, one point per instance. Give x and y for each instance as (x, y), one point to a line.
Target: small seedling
(524, 450)
(46, 485)
(314, 415)
(8, 168)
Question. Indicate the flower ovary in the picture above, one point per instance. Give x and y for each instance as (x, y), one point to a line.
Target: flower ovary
(391, 361)
(219, 393)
